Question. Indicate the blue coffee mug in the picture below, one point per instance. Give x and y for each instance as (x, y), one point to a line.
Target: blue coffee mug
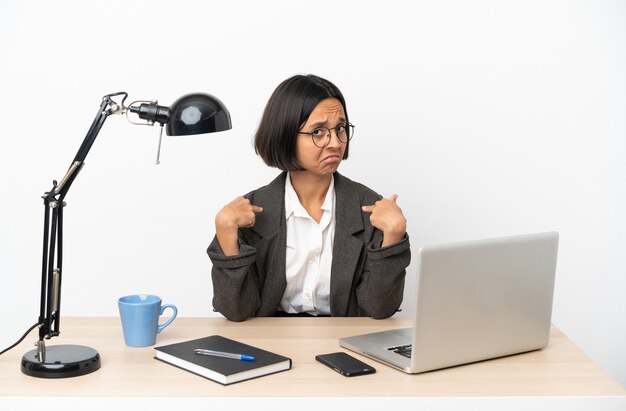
(140, 318)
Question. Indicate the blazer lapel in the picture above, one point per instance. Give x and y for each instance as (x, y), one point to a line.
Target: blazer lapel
(270, 226)
(347, 249)
(272, 216)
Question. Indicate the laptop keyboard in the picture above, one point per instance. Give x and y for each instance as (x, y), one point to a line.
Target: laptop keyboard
(404, 350)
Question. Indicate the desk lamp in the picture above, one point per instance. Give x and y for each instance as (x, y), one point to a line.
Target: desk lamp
(196, 113)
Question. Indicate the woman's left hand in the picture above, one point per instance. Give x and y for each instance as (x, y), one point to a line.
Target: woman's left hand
(388, 218)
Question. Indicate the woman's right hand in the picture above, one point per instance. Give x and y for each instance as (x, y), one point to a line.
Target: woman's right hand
(239, 213)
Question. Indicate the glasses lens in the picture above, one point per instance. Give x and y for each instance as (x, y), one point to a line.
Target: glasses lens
(320, 137)
(349, 133)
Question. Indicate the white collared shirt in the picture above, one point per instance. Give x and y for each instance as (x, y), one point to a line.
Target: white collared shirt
(309, 254)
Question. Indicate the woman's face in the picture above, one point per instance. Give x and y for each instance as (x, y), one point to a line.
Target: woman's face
(328, 113)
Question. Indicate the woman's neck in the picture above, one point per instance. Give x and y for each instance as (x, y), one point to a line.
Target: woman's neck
(311, 190)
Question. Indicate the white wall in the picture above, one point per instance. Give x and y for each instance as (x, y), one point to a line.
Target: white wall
(487, 117)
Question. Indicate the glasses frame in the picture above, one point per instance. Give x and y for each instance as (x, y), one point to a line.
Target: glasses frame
(348, 126)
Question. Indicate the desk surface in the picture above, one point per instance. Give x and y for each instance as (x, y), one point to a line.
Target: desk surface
(561, 369)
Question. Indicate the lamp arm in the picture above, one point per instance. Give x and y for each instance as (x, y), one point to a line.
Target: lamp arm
(107, 107)
(51, 270)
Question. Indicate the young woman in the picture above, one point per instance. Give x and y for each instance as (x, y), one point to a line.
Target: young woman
(311, 242)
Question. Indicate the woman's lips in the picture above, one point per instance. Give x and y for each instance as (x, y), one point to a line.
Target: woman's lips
(331, 159)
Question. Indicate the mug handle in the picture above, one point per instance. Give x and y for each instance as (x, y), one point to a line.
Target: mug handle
(175, 312)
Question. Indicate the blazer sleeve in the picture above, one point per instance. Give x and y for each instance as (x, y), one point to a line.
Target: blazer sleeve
(381, 290)
(236, 292)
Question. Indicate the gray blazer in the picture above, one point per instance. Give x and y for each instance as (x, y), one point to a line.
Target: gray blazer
(366, 280)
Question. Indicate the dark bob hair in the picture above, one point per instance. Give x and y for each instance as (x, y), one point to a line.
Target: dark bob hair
(286, 111)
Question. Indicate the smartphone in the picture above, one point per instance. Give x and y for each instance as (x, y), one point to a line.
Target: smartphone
(345, 364)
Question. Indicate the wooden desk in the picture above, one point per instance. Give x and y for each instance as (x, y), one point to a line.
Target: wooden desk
(559, 370)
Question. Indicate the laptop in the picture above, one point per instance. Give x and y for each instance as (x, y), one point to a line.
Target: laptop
(475, 300)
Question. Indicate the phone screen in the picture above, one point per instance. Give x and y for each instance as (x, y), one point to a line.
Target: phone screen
(345, 364)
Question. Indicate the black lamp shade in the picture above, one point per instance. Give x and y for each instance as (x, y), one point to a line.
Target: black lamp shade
(197, 113)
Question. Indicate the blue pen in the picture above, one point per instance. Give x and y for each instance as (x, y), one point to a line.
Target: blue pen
(242, 357)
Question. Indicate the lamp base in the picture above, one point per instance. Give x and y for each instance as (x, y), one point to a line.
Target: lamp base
(61, 361)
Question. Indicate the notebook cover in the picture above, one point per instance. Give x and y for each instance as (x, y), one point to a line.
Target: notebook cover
(219, 369)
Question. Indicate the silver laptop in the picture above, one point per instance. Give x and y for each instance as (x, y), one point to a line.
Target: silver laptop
(475, 300)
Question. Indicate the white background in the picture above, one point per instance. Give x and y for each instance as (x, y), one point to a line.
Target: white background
(488, 118)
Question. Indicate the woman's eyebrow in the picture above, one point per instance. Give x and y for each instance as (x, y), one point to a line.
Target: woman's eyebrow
(325, 122)
(319, 123)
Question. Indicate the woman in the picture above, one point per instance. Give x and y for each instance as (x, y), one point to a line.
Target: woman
(311, 242)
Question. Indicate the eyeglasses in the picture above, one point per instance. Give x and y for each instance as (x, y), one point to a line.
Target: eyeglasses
(321, 135)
